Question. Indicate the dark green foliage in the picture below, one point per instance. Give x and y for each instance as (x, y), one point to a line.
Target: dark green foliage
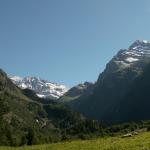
(72, 123)
(31, 137)
(24, 140)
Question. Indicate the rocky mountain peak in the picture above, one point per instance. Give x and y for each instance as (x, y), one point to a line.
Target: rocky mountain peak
(144, 44)
(138, 51)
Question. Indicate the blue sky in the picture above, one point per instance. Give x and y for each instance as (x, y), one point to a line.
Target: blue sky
(68, 41)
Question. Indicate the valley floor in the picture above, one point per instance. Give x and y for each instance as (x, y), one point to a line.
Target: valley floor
(138, 142)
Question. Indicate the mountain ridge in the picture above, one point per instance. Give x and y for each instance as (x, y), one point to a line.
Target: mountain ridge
(113, 83)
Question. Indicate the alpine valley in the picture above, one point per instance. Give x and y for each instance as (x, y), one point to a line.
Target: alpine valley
(36, 111)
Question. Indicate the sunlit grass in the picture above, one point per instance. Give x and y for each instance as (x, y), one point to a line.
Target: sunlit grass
(138, 142)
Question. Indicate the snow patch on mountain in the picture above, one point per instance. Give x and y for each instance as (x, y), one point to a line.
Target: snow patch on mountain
(16, 78)
(131, 59)
(40, 95)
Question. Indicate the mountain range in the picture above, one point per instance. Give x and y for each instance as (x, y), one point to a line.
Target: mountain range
(43, 88)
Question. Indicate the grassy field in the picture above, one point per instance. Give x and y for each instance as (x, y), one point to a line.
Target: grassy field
(138, 142)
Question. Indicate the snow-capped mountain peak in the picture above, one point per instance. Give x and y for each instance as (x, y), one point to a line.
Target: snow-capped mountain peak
(140, 44)
(137, 51)
(43, 88)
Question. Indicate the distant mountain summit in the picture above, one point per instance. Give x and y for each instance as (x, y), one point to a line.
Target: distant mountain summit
(43, 88)
(77, 92)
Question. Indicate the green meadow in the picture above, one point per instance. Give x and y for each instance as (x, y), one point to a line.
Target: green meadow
(138, 142)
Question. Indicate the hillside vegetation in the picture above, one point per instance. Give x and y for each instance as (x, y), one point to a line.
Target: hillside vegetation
(26, 119)
(138, 142)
